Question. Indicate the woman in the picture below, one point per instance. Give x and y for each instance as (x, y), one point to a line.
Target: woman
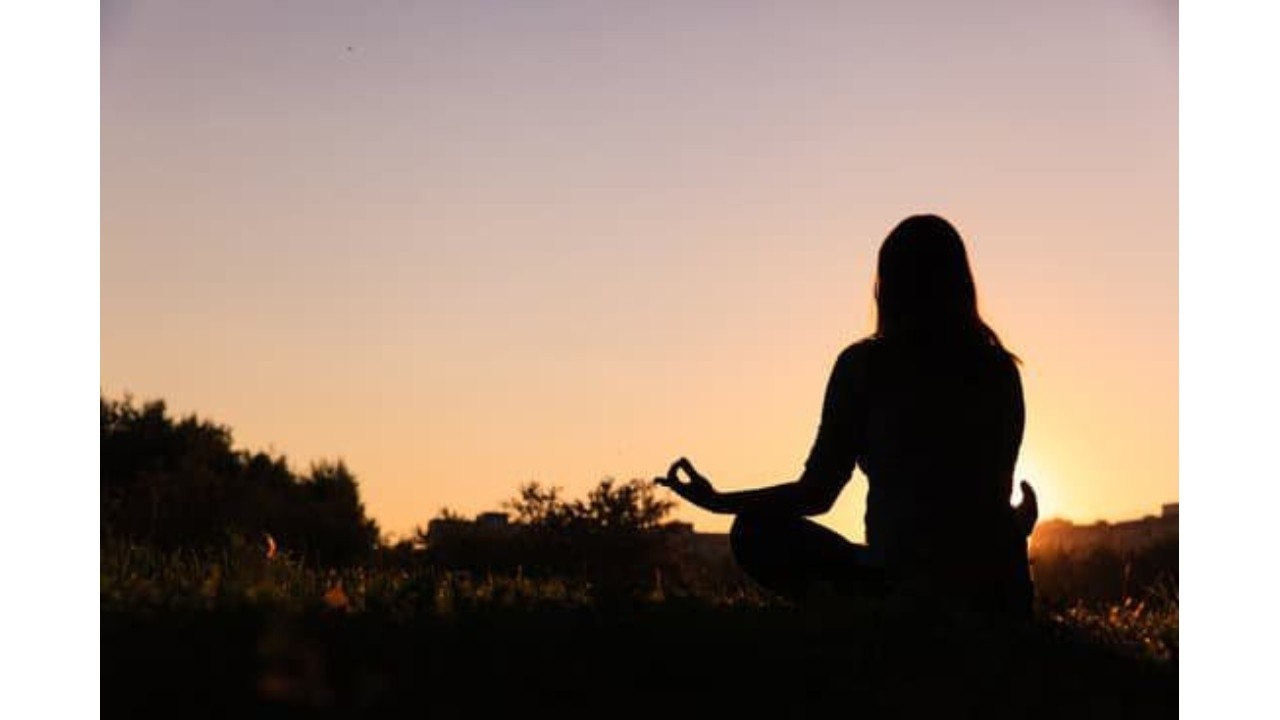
(930, 407)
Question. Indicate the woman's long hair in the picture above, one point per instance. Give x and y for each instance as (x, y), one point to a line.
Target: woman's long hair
(924, 287)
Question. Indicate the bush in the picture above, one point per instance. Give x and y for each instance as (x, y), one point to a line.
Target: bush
(180, 484)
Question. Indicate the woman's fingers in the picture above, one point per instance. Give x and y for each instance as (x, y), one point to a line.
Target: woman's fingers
(1027, 491)
(672, 478)
(682, 487)
(673, 472)
(1029, 499)
(679, 489)
(687, 466)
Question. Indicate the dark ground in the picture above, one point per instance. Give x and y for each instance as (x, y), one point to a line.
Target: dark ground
(662, 659)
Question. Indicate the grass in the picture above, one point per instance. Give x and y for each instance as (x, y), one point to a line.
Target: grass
(185, 634)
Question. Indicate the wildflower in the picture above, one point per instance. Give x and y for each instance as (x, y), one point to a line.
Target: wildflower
(336, 598)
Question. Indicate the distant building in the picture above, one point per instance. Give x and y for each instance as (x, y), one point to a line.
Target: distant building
(712, 548)
(492, 520)
(487, 527)
(1125, 536)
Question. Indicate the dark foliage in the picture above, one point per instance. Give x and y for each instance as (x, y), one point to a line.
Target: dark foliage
(1102, 574)
(617, 539)
(610, 507)
(572, 662)
(179, 483)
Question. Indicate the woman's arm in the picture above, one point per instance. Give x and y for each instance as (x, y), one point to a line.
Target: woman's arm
(793, 498)
(1027, 512)
(827, 470)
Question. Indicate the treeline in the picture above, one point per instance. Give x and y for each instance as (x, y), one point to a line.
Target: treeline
(617, 539)
(179, 483)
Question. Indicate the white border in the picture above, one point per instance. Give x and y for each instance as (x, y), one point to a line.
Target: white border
(49, 231)
(1228, 359)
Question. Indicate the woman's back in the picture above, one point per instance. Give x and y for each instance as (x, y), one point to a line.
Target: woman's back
(941, 423)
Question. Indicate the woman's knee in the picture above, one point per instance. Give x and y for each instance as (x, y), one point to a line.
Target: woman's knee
(753, 533)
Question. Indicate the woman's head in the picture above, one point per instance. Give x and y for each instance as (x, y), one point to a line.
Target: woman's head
(924, 286)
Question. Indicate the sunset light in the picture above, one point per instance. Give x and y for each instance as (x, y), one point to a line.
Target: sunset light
(464, 250)
(669, 358)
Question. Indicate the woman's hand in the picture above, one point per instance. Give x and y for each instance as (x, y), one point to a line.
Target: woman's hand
(1027, 512)
(696, 490)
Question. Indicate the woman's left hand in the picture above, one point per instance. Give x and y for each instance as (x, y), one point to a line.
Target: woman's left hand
(697, 490)
(1027, 512)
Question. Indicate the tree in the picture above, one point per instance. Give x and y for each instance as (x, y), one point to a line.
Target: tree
(611, 538)
(335, 525)
(541, 507)
(629, 507)
(179, 483)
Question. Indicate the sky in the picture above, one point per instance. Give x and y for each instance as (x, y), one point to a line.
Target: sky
(463, 246)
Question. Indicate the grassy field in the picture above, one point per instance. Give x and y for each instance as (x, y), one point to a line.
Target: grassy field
(237, 634)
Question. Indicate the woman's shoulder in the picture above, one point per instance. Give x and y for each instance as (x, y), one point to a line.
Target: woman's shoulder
(859, 350)
(875, 351)
(858, 356)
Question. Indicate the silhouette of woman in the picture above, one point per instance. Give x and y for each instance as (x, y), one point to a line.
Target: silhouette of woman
(930, 407)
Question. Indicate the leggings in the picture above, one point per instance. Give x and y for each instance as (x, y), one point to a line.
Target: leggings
(801, 560)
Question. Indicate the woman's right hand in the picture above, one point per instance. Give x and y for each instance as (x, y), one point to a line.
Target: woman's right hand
(697, 490)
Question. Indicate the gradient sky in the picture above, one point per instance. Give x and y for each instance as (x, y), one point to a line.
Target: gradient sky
(501, 241)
